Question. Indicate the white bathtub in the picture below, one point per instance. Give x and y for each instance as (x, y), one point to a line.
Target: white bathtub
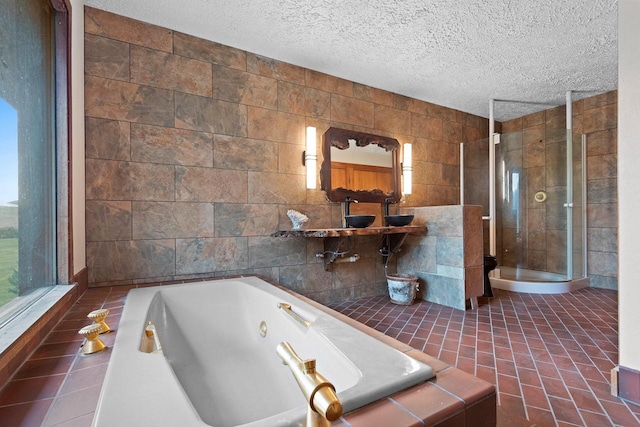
(216, 369)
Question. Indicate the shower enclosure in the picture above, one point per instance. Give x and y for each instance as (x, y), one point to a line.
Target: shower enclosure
(535, 216)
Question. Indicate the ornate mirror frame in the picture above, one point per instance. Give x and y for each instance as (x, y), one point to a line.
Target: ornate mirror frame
(339, 138)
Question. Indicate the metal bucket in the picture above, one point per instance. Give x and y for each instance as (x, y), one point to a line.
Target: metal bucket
(402, 288)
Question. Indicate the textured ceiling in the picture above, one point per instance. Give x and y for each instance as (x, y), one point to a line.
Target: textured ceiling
(458, 54)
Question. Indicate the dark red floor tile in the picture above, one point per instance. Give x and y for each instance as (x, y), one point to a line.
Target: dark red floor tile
(512, 404)
(27, 390)
(540, 417)
(509, 385)
(535, 396)
(548, 370)
(573, 379)
(595, 419)
(620, 414)
(466, 364)
(26, 414)
(585, 399)
(56, 349)
(524, 361)
(565, 410)
(486, 359)
(73, 405)
(554, 387)
(506, 367)
(486, 373)
(44, 367)
(529, 377)
(84, 378)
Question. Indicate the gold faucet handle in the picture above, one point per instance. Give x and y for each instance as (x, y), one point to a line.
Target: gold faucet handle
(309, 366)
(92, 343)
(98, 317)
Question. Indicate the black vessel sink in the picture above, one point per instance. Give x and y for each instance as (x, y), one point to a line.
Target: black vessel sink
(359, 221)
(398, 220)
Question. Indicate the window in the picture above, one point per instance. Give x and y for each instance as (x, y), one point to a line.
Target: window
(33, 149)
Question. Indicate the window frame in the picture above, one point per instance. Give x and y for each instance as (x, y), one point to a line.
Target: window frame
(62, 60)
(61, 114)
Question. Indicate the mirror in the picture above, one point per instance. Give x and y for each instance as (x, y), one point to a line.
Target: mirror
(360, 165)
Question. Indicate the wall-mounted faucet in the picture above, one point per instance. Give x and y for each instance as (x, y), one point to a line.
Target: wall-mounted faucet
(387, 202)
(347, 202)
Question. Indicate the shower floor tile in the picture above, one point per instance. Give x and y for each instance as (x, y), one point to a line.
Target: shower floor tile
(549, 356)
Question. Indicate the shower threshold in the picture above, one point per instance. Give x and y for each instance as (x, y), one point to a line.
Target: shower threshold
(534, 282)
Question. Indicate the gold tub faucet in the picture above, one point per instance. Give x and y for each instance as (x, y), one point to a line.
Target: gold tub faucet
(323, 403)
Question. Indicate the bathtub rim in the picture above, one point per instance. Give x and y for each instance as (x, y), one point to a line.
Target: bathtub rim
(182, 410)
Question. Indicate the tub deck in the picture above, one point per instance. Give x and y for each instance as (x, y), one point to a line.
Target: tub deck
(453, 396)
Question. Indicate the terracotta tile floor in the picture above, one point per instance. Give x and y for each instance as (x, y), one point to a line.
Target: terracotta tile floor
(57, 385)
(550, 356)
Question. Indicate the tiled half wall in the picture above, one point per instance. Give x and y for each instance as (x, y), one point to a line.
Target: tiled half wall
(193, 157)
(448, 259)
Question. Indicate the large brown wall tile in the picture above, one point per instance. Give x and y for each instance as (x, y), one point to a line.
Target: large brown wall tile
(303, 100)
(426, 127)
(603, 99)
(170, 220)
(602, 142)
(104, 57)
(205, 50)
(328, 83)
(233, 219)
(112, 99)
(275, 69)
(133, 259)
(286, 152)
(245, 154)
(533, 141)
(371, 94)
(244, 88)
(111, 180)
(102, 23)
(107, 139)
(305, 278)
(603, 239)
(210, 115)
(391, 119)
(351, 111)
(154, 144)
(601, 118)
(108, 220)
(276, 188)
(267, 251)
(276, 126)
(206, 255)
(210, 185)
(167, 71)
(605, 166)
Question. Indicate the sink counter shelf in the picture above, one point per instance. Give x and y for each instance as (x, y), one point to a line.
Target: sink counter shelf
(341, 232)
(335, 237)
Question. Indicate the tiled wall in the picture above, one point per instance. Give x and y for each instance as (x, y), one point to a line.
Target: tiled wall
(448, 259)
(193, 157)
(534, 144)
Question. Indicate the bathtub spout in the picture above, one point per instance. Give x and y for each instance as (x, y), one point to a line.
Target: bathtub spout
(323, 403)
(150, 342)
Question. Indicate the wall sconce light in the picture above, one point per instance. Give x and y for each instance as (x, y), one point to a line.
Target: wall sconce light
(407, 169)
(309, 157)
